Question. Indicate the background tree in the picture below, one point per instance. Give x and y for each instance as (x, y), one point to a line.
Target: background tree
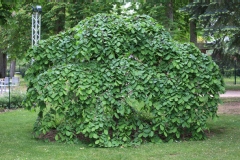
(220, 26)
(17, 35)
(53, 19)
(58, 16)
(15, 28)
(79, 11)
(166, 13)
(5, 12)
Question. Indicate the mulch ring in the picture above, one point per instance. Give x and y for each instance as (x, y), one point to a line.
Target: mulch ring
(50, 136)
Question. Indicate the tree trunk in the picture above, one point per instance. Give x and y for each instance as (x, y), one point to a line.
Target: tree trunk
(170, 10)
(12, 68)
(61, 20)
(3, 65)
(193, 33)
(193, 29)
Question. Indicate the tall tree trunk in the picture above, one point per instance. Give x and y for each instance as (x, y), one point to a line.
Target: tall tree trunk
(170, 10)
(61, 20)
(193, 33)
(193, 29)
(12, 68)
(3, 65)
(169, 14)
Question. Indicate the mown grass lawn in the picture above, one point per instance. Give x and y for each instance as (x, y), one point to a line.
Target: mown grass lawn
(230, 83)
(16, 142)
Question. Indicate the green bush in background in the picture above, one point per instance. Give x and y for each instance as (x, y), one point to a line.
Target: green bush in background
(16, 100)
(116, 80)
(230, 72)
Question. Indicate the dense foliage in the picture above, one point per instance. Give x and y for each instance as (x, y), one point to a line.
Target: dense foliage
(119, 80)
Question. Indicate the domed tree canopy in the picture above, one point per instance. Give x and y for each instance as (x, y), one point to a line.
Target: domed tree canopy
(117, 80)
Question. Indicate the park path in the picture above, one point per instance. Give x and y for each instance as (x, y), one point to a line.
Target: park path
(231, 94)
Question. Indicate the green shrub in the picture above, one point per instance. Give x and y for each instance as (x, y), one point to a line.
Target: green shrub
(230, 72)
(16, 100)
(118, 80)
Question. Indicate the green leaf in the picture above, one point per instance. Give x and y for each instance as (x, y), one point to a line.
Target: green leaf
(105, 131)
(99, 58)
(165, 134)
(118, 44)
(111, 56)
(97, 142)
(178, 134)
(117, 50)
(147, 130)
(185, 98)
(162, 127)
(68, 133)
(151, 134)
(95, 136)
(89, 91)
(188, 107)
(203, 99)
(116, 115)
(56, 137)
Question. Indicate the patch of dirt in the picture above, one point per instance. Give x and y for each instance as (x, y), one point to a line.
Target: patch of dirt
(229, 108)
(49, 136)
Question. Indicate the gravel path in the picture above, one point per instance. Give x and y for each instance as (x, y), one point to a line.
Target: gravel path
(231, 94)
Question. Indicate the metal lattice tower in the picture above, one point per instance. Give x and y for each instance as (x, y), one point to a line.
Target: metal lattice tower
(36, 25)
